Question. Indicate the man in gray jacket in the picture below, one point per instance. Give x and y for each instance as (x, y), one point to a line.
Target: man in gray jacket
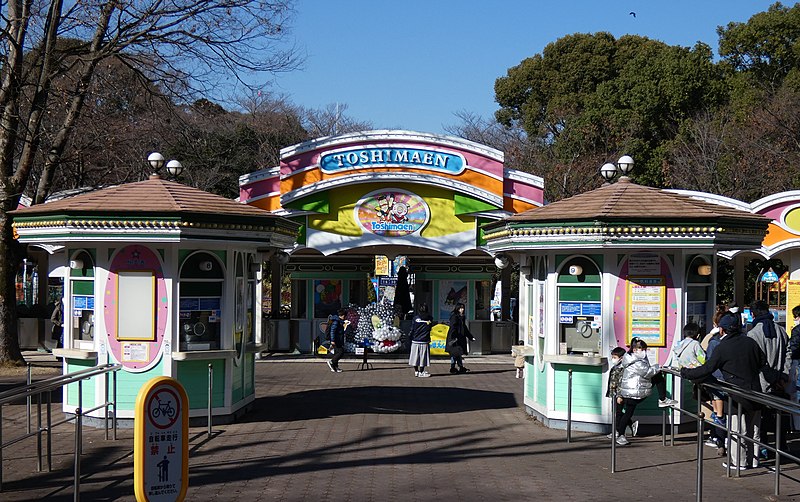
(772, 339)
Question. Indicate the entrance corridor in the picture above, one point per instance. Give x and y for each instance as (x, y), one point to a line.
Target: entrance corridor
(384, 435)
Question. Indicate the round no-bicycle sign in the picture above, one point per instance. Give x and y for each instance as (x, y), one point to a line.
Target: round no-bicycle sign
(161, 441)
(163, 408)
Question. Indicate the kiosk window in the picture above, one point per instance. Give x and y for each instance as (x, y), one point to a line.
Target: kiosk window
(79, 320)
(579, 307)
(201, 292)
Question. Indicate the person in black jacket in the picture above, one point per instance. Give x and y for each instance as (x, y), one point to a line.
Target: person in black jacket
(740, 359)
(794, 354)
(420, 341)
(457, 337)
(337, 325)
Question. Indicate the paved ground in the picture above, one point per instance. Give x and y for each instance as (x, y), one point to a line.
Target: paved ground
(384, 435)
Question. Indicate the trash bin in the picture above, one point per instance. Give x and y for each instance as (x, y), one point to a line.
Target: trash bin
(503, 335)
(481, 330)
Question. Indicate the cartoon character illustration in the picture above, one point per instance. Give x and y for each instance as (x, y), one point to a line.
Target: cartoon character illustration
(399, 213)
(385, 207)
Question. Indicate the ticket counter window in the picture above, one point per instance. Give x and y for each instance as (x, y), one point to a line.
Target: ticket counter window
(299, 307)
(201, 292)
(250, 298)
(698, 291)
(579, 312)
(483, 300)
(357, 291)
(79, 320)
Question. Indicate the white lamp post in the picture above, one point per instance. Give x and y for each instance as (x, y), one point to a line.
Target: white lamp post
(624, 166)
(156, 161)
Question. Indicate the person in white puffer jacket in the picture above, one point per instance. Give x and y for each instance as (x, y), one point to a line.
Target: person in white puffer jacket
(635, 385)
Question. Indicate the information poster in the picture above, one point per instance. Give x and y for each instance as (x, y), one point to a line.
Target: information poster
(792, 300)
(327, 297)
(647, 310)
(451, 293)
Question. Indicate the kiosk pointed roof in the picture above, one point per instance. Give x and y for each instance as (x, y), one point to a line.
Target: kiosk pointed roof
(152, 196)
(628, 201)
(155, 209)
(625, 214)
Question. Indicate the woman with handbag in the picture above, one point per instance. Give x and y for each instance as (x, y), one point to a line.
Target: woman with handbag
(457, 337)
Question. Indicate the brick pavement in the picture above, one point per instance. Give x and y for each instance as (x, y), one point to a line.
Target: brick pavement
(384, 435)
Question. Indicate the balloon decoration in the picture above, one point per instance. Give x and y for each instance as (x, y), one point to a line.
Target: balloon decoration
(376, 328)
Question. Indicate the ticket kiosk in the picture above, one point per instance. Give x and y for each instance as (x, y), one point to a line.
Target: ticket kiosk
(605, 266)
(164, 288)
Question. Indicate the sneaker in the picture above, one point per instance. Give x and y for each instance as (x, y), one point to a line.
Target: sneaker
(424, 374)
(711, 443)
(416, 373)
(611, 435)
(741, 468)
(663, 403)
(463, 370)
(339, 370)
(634, 428)
(330, 365)
(622, 441)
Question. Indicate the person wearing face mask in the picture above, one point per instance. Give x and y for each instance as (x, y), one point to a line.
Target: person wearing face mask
(614, 380)
(635, 385)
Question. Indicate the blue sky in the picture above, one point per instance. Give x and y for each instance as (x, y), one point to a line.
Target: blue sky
(411, 64)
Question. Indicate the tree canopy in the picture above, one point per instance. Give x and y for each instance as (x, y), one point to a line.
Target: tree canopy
(729, 126)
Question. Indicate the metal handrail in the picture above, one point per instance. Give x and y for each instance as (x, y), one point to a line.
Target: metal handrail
(45, 387)
(773, 402)
(54, 382)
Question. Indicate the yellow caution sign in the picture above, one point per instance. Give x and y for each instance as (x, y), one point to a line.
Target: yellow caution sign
(161, 441)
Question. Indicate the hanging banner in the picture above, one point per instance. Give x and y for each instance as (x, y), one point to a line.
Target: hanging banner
(647, 310)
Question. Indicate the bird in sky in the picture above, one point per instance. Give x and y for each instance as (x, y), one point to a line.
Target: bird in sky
(632, 13)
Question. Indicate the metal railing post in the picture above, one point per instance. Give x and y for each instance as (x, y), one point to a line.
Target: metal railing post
(49, 431)
(613, 434)
(778, 452)
(80, 405)
(700, 424)
(78, 440)
(672, 415)
(29, 399)
(569, 406)
(105, 408)
(210, 394)
(38, 432)
(114, 381)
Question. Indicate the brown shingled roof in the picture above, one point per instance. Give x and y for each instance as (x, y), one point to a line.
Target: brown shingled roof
(628, 201)
(152, 196)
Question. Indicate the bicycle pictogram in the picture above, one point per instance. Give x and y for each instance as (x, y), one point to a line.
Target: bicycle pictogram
(163, 409)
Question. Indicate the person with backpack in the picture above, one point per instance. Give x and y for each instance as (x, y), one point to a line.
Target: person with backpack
(773, 341)
(337, 325)
(420, 335)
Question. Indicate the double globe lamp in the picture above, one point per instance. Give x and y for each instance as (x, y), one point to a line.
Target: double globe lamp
(156, 161)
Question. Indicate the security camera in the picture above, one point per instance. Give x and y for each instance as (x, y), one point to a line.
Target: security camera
(575, 270)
